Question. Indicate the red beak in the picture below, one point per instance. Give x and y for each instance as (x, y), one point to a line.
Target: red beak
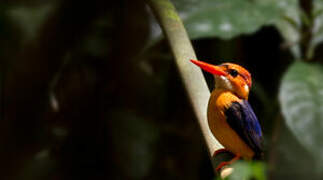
(216, 70)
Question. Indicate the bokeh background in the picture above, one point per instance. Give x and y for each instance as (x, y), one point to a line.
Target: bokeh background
(90, 90)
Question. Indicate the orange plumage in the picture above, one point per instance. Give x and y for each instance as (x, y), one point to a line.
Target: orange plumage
(219, 101)
(230, 116)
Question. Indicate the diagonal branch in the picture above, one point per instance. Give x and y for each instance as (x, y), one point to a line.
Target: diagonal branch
(191, 75)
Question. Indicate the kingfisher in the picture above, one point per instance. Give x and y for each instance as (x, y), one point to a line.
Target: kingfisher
(230, 117)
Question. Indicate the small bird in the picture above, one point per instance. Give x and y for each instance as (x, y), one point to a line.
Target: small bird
(230, 116)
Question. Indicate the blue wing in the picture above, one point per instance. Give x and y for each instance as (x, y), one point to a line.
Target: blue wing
(244, 122)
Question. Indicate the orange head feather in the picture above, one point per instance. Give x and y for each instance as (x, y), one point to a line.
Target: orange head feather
(229, 76)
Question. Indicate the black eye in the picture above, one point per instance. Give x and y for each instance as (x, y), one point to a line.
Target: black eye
(233, 72)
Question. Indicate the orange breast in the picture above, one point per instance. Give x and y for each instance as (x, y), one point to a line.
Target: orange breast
(219, 101)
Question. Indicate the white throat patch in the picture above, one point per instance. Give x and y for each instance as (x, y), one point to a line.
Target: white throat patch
(226, 83)
(246, 88)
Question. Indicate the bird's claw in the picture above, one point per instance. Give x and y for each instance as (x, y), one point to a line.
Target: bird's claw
(221, 165)
(225, 163)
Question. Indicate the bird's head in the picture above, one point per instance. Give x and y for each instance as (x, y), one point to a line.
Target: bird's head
(229, 76)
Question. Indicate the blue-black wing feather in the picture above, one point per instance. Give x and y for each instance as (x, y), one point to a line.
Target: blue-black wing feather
(244, 122)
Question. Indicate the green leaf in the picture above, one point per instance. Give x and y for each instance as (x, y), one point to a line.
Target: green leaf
(289, 25)
(301, 100)
(230, 18)
(225, 19)
(317, 36)
(248, 170)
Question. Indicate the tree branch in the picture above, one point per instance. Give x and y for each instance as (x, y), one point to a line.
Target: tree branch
(191, 75)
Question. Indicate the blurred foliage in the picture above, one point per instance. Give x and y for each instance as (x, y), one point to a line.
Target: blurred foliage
(248, 170)
(225, 19)
(135, 146)
(301, 98)
(289, 25)
(30, 19)
(317, 15)
(85, 97)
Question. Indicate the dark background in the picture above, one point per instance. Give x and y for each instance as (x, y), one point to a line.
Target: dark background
(83, 96)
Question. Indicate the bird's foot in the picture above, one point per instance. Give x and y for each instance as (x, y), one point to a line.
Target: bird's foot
(225, 163)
